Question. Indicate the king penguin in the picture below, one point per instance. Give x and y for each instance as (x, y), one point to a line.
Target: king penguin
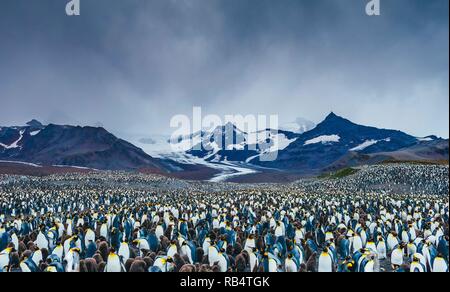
(4, 257)
(397, 257)
(440, 265)
(290, 265)
(417, 266)
(124, 252)
(113, 264)
(173, 249)
(381, 248)
(325, 262)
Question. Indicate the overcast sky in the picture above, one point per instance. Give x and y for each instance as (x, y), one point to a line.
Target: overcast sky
(131, 65)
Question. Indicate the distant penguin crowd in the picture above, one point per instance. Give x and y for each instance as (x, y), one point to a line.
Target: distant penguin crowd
(113, 223)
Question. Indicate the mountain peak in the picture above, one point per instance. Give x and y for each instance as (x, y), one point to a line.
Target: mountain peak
(332, 115)
(35, 123)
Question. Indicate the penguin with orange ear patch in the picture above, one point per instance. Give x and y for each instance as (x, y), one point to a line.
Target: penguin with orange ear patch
(417, 266)
(440, 265)
(4, 257)
(325, 262)
(114, 264)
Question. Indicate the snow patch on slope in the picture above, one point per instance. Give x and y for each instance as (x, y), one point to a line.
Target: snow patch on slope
(324, 139)
(368, 143)
(426, 139)
(15, 143)
(34, 133)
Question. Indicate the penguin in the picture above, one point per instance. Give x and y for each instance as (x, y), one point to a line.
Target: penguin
(206, 244)
(114, 264)
(164, 264)
(153, 241)
(52, 236)
(104, 231)
(417, 266)
(411, 248)
(412, 232)
(159, 231)
(381, 249)
(115, 238)
(279, 229)
(442, 246)
(269, 264)
(54, 264)
(141, 244)
(344, 247)
(299, 235)
(58, 251)
(4, 257)
(28, 266)
(325, 262)
(172, 249)
(439, 265)
(69, 230)
(73, 242)
(91, 249)
(357, 242)
(223, 261)
(250, 243)
(36, 257)
(290, 265)
(405, 236)
(253, 259)
(124, 252)
(213, 255)
(187, 252)
(367, 264)
(42, 240)
(89, 236)
(371, 246)
(15, 241)
(72, 260)
(392, 241)
(397, 257)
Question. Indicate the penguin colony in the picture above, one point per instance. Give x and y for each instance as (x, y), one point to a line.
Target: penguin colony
(383, 218)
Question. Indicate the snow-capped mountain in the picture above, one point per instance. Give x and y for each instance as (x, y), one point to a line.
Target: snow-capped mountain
(60, 145)
(334, 138)
(229, 144)
(299, 126)
(334, 143)
(312, 151)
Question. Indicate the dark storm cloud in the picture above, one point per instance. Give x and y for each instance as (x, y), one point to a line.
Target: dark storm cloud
(131, 65)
